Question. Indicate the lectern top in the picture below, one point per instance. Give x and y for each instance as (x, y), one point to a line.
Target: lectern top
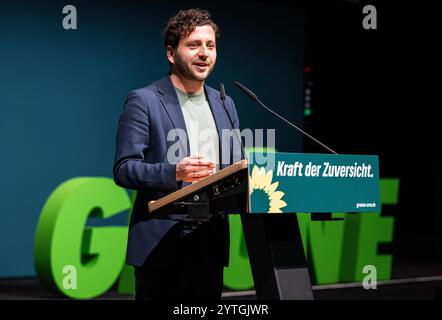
(195, 187)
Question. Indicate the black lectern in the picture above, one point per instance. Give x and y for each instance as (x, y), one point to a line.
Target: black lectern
(273, 241)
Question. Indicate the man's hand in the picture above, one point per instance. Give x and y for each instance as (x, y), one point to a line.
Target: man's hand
(194, 168)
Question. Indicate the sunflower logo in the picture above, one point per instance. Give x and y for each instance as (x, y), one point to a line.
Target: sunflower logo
(263, 193)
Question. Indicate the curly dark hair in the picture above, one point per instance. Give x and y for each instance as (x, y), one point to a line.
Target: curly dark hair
(183, 23)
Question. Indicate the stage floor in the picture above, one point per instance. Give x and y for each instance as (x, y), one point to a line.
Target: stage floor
(423, 288)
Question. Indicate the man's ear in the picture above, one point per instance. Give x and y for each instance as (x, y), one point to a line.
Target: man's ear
(170, 54)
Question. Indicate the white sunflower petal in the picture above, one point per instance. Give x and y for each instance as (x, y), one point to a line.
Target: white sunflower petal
(276, 205)
(272, 187)
(268, 180)
(277, 195)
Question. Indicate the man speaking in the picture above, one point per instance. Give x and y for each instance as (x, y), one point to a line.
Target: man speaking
(173, 258)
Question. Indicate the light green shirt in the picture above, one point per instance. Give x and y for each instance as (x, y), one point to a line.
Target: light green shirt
(200, 125)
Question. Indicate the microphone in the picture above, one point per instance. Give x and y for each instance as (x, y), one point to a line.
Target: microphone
(255, 98)
(222, 94)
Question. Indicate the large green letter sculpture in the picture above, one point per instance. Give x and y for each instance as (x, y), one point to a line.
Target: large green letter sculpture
(63, 242)
(93, 258)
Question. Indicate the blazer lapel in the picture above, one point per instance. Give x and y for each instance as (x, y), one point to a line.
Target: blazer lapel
(171, 104)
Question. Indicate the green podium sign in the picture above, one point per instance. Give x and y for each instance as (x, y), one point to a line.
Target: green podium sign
(305, 182)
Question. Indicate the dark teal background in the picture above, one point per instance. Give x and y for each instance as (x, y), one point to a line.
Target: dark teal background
(61, 92)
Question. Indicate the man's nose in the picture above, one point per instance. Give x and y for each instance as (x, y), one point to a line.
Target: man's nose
(203, 51)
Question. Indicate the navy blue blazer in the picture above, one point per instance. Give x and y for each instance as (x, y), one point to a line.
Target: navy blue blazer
(141, 157)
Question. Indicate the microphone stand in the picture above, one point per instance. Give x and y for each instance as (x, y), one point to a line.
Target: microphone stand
(255, 98)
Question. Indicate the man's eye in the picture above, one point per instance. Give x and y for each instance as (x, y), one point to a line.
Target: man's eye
(193, 45)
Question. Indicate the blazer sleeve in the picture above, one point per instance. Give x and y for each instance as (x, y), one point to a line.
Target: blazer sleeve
(133, 140)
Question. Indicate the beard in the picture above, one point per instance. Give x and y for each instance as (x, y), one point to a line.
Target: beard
(190, 74)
